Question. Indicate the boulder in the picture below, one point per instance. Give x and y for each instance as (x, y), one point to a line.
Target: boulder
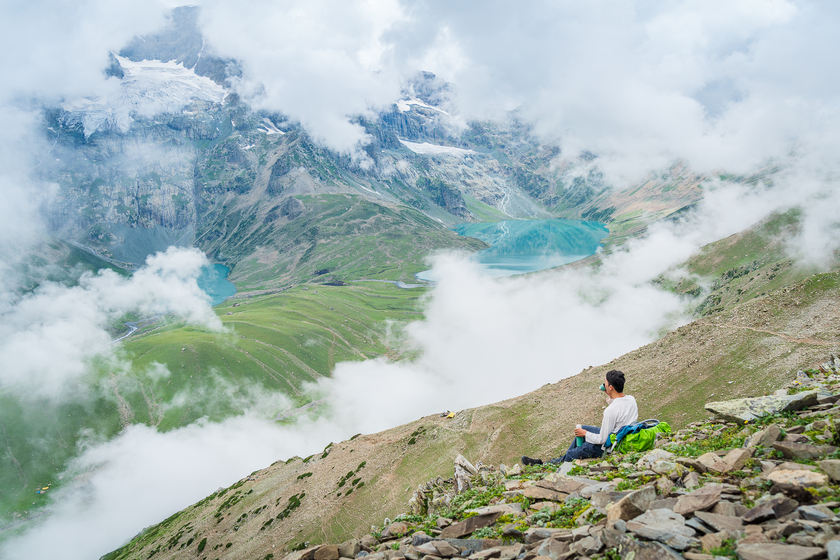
(628, 547)
(349, 549)
(747, 410)
(552, 548)
(765, 437)
(703, 498)
(720, 522)
(692, 479)
(514, 509)
(803, 451)
(562, 484)
(665, 526)
(327, 552)
(712, 462)
(770, 509)
(394, 530)
(737, 458)
(632, 505)
(798, 477)
(818, 513)
(651, 457)
(538, 493)
(774, 551)
(445, 550)
(692, 464)
(467, 526)
(587, 546)
(831, 467)
(833, 549)
(731, 509)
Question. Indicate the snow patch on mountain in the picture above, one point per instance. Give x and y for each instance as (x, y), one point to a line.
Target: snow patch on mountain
(148, 88)
(404, 105)
(434, 149)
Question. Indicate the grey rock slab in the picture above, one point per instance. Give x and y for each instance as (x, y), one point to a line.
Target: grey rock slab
(833, 549)
(803, 451)
(815, 513)
(552, 548)
(537, 493)
(664, 503)
(692, 479)
(445, 550)
(628, 547)
(773, 551)
(632, 505)
(765, 437)
(500, 508)
(703, 498)
(747, 410)
(774, 508)
(469, 525)
(699, 526)
(665, 526)
(587, 546)
(720, 522)
(737, 458)
(799, 477)
(831, 467)
(691, 463)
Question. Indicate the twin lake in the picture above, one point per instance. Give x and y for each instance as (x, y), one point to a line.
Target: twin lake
(516, 247)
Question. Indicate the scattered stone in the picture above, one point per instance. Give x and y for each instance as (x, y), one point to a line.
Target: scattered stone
(628, 547)
(632, 505)
(665, 526)
(770, 509)
(395, 530)
(831, 467)
(469, 525)
(798, 477)
(737, 458)
(701, 499)
(692, 479)
(587, 546)
(720, 522)
(833, 549)
(553, 548)
(747, 410)
(692, 464)
(714, 463)
(349, 549)
(773, 551)
(537, 493)
(326, 552)
(765, 437)
(803, 451)
(816, 513)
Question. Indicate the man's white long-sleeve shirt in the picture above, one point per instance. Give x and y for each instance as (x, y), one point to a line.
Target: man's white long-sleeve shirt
(621, 412)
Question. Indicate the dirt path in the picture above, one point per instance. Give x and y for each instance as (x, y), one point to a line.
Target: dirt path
(810, 341)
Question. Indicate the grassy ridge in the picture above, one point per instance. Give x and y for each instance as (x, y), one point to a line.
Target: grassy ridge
(275, 344)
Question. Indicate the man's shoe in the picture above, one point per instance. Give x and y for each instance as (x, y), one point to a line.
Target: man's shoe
(527, 461)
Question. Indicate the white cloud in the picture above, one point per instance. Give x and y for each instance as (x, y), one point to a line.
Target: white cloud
(49, 336)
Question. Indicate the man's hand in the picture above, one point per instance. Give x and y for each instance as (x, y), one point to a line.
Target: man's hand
(580, 432)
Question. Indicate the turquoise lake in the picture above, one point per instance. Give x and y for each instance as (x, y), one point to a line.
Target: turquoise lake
(213, 280)
(521, 246)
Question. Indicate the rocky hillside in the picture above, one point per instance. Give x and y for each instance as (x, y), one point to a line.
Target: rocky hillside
(332, 496)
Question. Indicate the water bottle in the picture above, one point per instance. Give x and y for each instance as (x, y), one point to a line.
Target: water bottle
(579, 439)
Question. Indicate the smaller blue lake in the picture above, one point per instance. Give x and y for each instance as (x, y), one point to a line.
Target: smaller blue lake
(213, 281)
(521, 246)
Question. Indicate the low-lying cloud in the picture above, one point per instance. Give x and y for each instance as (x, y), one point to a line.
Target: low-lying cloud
(49, 336)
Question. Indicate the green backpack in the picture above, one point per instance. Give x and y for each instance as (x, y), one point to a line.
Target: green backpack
(643, 440)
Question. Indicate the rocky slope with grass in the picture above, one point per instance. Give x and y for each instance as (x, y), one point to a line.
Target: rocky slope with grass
(750, 349)
(757, 480)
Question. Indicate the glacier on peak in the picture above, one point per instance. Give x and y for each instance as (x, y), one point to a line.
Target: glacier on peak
(147, 88)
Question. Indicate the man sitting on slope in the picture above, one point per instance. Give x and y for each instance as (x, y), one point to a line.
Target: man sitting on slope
(621, 412)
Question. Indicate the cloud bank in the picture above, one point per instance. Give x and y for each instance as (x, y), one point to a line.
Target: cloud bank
(47, 337)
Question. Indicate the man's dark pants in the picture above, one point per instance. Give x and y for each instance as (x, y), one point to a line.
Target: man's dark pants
(585, 451)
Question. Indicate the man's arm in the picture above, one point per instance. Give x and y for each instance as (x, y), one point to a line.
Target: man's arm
(607, 426)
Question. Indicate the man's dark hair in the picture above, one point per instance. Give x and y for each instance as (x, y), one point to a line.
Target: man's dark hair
(616, 379)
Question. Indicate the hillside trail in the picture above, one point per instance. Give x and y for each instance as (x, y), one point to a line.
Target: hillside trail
(810, 341)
